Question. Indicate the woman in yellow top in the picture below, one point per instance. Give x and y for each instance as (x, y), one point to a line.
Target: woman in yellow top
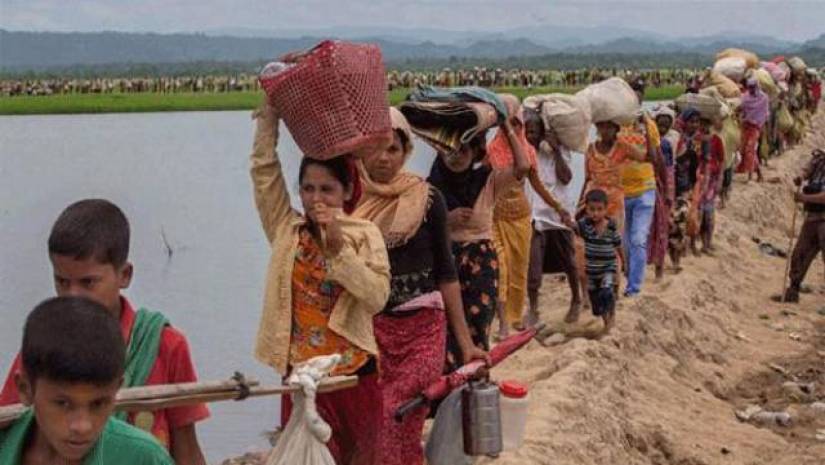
(639, 184)
(328, 276)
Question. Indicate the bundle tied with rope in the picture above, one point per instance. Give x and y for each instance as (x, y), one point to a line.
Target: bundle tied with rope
(304, 438)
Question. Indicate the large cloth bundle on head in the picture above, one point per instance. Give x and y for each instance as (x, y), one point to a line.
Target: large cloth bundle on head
(766, 82)
(332, 98)
(708, 106)
(568, 115)
(305, 436)
(611, 100)
(777, 73)
(727, 87)
(751, 60)
(731, 67)
(797, 65)
(448, 118)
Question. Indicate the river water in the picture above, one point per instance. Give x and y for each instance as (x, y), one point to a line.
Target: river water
(182, 175)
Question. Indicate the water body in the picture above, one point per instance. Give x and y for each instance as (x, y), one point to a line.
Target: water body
(179, 176)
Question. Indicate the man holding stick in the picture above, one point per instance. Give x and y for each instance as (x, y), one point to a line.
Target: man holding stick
(812, 236)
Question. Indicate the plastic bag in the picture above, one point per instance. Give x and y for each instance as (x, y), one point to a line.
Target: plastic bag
(445, 445)
(304, 438)
(611, 100)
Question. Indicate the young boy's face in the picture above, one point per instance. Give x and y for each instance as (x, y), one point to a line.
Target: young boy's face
(91, 279)
(70, 416)
(596, 211)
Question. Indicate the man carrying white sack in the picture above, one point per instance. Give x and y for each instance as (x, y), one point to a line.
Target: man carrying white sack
(562, 170)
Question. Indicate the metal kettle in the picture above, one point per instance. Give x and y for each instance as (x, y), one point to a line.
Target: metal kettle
(481, 419)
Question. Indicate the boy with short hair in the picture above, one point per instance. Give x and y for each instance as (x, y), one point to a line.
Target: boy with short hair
(602, 250)
(73, 364)
(89, 249)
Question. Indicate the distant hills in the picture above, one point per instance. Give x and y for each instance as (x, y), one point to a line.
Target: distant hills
(22, 52)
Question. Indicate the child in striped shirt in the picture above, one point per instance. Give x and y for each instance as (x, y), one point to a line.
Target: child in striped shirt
(602, 251)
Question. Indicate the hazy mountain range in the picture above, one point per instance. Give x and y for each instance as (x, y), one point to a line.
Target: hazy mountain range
(37, 51)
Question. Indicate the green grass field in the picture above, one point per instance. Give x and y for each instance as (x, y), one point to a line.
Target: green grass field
(152, 102)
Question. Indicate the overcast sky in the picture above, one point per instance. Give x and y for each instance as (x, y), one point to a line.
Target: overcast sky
(788, 19)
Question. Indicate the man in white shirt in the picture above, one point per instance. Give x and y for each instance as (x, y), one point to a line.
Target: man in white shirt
(552, 250)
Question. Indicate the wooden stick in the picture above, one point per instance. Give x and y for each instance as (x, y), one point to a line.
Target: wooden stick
(150, 398)
(790, 249)
(182, 389)
(327, 385)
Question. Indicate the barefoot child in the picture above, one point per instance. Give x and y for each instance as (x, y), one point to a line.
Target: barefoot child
(73, 365)
(602, 251)
(89, 251)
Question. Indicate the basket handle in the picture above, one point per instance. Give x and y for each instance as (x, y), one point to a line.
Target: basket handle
(298, 56)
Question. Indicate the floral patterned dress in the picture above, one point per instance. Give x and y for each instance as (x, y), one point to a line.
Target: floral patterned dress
(313, 298)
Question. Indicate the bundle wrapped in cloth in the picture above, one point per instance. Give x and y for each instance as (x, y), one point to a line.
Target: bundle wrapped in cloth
(708, 106)
(777, 73)
(797, 64)
(332, 98)
(447, 118)
(727, 87)
(766, 81)
(611, 100)
(750, 58)
(732, 67)
(568, 115)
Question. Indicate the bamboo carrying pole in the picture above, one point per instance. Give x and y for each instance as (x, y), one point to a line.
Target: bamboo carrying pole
(149, 398)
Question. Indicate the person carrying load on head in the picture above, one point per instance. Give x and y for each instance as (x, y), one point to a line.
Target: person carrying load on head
(554, 197)
(328, 276)
(471, 189)
(754, 110)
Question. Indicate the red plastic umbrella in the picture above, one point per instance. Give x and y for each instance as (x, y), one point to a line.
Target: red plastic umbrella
(458, 378)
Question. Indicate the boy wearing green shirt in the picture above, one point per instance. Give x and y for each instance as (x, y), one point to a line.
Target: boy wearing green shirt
(73, 363)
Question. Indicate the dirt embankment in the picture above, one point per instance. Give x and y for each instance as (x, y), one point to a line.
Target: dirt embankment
(664, 386)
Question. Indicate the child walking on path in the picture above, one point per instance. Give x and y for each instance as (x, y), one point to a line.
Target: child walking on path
(602, 251)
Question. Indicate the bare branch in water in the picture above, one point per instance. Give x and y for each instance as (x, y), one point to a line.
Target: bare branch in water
(169, 250)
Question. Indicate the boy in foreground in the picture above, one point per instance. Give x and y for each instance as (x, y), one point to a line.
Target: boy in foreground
(89, 249)
(73, 364)
(602, 251)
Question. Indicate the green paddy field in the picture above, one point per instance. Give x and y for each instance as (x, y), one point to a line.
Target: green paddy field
(155, 102)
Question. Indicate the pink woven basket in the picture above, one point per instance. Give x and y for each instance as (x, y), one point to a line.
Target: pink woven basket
(334, 100)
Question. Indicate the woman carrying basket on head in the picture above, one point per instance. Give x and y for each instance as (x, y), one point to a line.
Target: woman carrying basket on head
(328, 276)
(411, 330)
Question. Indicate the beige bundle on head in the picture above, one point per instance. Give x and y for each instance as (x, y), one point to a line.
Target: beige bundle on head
(750, 58)
(611, 100)
(724, 85)
(709, 106)
(567, 115)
